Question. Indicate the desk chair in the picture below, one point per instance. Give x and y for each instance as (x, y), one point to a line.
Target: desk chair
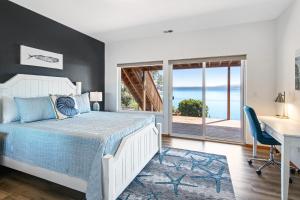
(262, 137)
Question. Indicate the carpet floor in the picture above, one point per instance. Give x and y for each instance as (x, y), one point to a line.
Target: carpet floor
(182, 174)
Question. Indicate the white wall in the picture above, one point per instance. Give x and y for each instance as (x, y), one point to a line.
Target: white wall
(257, 40)
(288, 40)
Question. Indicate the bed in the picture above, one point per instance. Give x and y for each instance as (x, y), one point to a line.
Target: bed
(98, 153)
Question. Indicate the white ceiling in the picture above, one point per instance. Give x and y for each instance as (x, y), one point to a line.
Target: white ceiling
(111, 20)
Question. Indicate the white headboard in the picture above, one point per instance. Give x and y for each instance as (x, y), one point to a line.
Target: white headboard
(23, 85)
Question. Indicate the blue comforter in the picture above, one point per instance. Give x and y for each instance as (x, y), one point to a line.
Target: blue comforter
(73, 146)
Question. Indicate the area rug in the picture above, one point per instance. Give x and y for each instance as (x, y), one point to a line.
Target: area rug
(182, 174)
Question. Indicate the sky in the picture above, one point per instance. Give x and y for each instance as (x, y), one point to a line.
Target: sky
(214, 77)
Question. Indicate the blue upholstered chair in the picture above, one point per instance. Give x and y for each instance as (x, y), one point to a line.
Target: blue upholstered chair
(262, 137)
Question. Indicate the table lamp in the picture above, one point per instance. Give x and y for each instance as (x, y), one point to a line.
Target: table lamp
(281, 99)
(96, 97)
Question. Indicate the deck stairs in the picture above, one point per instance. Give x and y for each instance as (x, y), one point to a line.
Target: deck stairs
(143, 89)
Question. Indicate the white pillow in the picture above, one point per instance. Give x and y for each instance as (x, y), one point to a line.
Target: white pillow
(83, 102)
(9, 110)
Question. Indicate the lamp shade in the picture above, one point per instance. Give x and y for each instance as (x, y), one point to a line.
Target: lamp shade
(95, 96)
(280, 98)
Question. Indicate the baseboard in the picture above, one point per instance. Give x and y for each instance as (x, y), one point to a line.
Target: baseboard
(187, 137)
(264, 147)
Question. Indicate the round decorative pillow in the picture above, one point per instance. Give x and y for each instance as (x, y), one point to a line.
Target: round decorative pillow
(66, 106)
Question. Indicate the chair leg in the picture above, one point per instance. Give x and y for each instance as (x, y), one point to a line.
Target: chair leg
(265, 165)
(267, 162)
(271, 161)
(277, 163)
(258, 159)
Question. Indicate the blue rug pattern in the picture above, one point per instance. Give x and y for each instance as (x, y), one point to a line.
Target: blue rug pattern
(182, 174)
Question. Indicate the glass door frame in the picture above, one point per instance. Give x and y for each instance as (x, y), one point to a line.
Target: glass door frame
(204, 136)
(170, 101)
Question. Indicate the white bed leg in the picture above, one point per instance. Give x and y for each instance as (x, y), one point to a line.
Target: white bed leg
(108, 177)
(159, 128)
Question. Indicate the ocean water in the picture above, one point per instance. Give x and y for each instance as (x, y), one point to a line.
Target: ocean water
(216, 100)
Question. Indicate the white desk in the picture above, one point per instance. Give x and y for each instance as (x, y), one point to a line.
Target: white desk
(287, 132)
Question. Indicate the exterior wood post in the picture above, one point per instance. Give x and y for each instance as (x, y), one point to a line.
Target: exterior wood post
(144, 91)
(228, 92)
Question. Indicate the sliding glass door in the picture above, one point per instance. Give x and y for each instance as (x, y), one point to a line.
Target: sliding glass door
(207, 100)
(187, 100)
(222, 97)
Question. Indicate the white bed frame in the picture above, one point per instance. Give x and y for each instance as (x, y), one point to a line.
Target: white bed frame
(134, 152)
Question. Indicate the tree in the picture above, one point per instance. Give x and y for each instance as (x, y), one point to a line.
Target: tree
(127, 100)
(157, 77)
(126, 97)
(191, 107)
(158, 80)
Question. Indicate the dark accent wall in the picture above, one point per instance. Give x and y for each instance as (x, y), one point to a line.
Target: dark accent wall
(83, 55)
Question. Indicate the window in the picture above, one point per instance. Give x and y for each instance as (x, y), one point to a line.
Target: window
(142, 88)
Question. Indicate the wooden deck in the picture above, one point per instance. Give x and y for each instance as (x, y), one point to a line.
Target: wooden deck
(228, 130)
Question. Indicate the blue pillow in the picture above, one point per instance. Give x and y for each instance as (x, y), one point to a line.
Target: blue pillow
(35, 109)
(83, 103)
(66, 106)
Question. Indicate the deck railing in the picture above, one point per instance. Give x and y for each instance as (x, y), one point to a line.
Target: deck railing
(152, 92)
